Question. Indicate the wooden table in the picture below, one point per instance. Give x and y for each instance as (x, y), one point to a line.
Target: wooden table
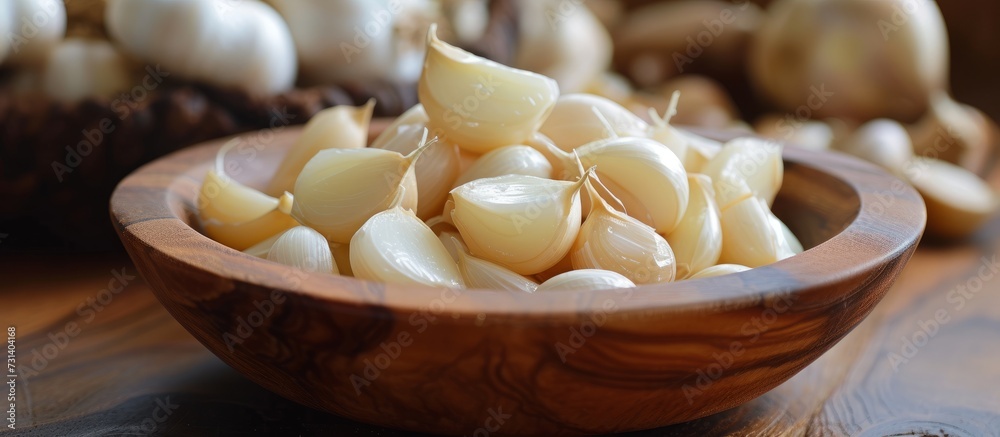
(125, 367)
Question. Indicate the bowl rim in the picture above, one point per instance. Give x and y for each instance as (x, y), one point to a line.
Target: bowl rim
(881, 231)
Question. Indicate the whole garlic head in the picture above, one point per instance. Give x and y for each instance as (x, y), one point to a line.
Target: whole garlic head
(30, 29)
(359, 40)
(244, 45)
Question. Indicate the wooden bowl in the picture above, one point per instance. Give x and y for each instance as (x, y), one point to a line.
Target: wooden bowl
(477, 361)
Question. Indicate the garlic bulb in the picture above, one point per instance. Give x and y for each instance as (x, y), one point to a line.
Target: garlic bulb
(524, 223)
(479, 273)
(236, 215)
(479, 104)
(646, 176)
(586, 280)
(719, 270)
(79, 68)
(394, 246)
(305, 249)
(435, 172)
(697, 240)
(751, 161)
(244, 45)
(958, 201)
(358, 40)
(574, 121)
(340, 127)
(340, 189)
(953, 132)
(30, 29)
(611, 240)
(563, 41)
(857, 59)
(882, 142)
(522, 160)
(749, 236)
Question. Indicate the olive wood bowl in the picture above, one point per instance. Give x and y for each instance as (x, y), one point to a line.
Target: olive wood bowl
(474, 361)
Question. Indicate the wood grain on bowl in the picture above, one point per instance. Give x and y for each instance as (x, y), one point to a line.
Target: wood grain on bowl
(441, 360)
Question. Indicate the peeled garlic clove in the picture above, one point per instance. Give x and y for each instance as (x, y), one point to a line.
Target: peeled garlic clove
(646, 176)
(574, 123)
(586, 280)
(809, 135)
(414, 115)
(958, 201)
(882, 142)
(610, 240)
(479, 104)
(341, 127)
(452, 241)
(437, 169)
(260, 250)
(564, 265)
(664, 133)
(791, 244)
(479, 273)
(699, 151)
(748, 236)
(719, 270)
(340, 189)
(303, 248)
(236, 215)
(522, 160)
(697, 240)
(756, 161)
(561, 161)
(394, 246)
(524, 223)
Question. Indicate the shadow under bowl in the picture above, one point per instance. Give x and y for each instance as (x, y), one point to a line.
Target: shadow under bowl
(454, 361)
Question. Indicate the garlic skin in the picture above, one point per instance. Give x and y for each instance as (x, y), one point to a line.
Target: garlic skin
(479, 273)
(244, 45)
(749, 236)
(646, 176)
(719, 270)
(80, 68)
(479, 104)
(340, 127)
(305, 249)
(524, 223)
(48, 20)
(521, 160)
(697, 240)
(875, 66)
(882, 142)
(340, 189)
(958, 201)
(394, 246)
(573, 121)
(435, 172)
(585, 280)
(239, 216)
(752, 161)
(358, 40)
(611, 240)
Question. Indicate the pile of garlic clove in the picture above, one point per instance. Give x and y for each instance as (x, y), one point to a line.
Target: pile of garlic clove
(497, 182)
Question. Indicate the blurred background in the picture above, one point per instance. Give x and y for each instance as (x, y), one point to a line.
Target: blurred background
(92, 89)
